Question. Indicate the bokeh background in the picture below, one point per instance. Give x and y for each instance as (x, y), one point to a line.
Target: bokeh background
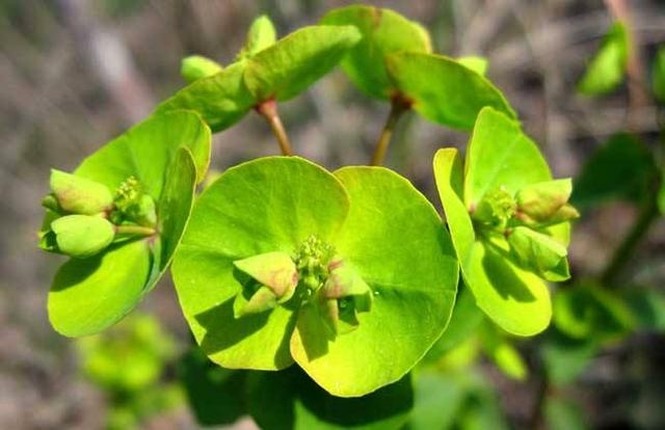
(75, 73)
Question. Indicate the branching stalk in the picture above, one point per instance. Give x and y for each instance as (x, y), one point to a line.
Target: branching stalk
(648, 214)
(398, 106)
(268, 110)
(136, 230)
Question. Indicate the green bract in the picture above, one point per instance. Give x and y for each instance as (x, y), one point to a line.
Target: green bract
(444, 90)
(606, 70)
(504, 220)
(196, 67)
(152, 171)
(294, 63)
(384, 32)
(266, 71)
(375, 268)
(261, 35)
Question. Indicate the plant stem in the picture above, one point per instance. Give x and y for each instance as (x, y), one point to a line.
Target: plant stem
(621, 257)
(268, 110)
(137, 230)
(398, 105)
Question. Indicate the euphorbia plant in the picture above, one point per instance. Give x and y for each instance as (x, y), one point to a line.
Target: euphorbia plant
(350, 274)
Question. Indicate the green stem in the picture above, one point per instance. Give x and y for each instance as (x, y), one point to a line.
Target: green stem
(268, 110)
(397, 107)
(621, 257)
(135, 230)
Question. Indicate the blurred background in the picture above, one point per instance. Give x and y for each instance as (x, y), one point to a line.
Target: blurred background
(75, 73)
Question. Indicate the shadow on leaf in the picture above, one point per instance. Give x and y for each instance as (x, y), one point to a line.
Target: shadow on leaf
(224, 330)
(504, 278)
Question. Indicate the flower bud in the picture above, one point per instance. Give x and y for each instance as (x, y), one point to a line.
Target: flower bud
(539, 253)
(343, 281)
(541, 201)
(133, 205)
(274, 270)
(82, 236)
(79, 195)
(343, 295)
(495, 208)
(261, 35)
(196, 67)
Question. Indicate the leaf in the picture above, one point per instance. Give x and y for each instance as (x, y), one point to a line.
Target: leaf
(294, 63)
(517, 300)
(648, 307)
(212, 391)
(197, 67)
(455, 400)
(221, 99)
(260, 36)
(623, 168)
(477, 64)
(129, 358)
(606, 69)
(658, 75)
(92, 294)
(539, 253)
(455, 95)
(563, 414)
(462, 327)
(500, 155)
(289, 399)
(175, 207)
(566, 358)
(439, 397)
(384, 32)
(145, 151)
(588, 311)
(266, 205)
(413, 281)
(502, 352)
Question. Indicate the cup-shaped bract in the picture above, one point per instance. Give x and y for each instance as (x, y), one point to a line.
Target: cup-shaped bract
(166, 155)
(350, 234)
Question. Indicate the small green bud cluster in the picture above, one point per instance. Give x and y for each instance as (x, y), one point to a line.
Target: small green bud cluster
(524, 219)
(326, 281)
(132, 205)
(84, 217)
(332, 285)
(312, 260)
